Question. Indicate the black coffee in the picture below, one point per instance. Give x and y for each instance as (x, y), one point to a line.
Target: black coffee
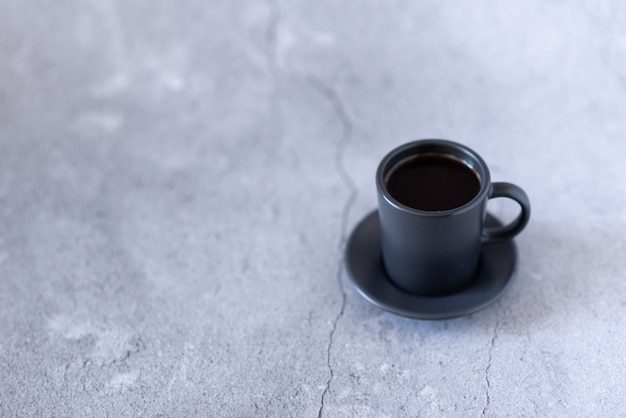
(432, 182)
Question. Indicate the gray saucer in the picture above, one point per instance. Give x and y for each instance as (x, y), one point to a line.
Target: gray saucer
(364, 262)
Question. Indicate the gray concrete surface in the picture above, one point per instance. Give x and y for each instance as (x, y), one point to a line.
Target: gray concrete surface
(177, 180)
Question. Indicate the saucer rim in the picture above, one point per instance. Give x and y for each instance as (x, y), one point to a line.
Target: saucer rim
(450, 302)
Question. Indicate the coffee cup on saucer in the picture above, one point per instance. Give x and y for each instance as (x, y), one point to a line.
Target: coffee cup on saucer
(432, 237)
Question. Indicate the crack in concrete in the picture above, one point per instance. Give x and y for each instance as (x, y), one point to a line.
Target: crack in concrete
(488, 369)
(134, 346)
(340, 110)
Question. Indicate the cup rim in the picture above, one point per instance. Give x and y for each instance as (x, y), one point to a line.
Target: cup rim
(443, 146)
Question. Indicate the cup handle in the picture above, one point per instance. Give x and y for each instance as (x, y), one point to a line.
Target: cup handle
(505, 232)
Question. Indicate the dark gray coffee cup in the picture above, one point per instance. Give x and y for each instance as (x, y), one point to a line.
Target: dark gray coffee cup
(432, 252)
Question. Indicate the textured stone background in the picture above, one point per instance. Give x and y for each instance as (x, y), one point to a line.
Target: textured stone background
(177, 180)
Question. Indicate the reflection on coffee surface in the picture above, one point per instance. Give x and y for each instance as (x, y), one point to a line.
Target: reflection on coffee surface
(432, 182)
